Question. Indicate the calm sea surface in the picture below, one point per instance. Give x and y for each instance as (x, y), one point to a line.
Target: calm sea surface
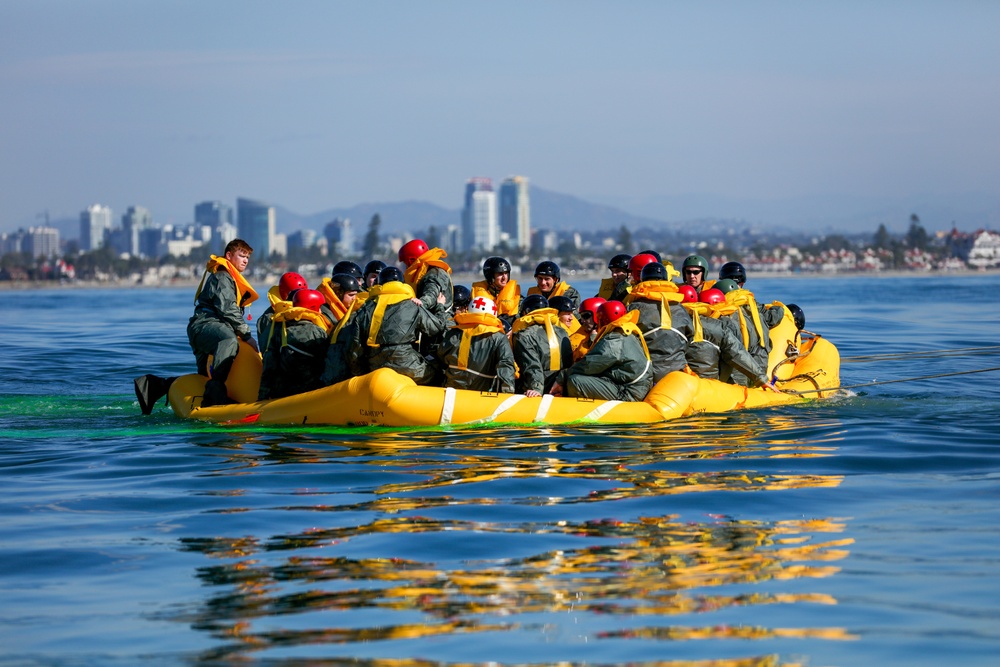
(863, 530)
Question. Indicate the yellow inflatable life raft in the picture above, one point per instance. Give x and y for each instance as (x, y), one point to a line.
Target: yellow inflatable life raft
(385, 398)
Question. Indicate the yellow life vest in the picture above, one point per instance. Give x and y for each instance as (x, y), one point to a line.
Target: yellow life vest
(628, 324)
(472, 325)
(415, 272)
(297, 313)
(743, 297)
(336, 305)
(386, 295)
(558, 290)
(507, 300)
(607, 288)
(549, 318)
(355, 306)
(581, 342)
(663, 291)
(696, 309)
(245, 293)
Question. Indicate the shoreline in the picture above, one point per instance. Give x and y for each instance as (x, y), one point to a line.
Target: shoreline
(465, 278)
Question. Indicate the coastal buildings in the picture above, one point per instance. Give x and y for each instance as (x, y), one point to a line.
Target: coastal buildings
(95, 223)
(219, 218)
(135, 220)
(479, 215)
(515, 212)
(339, 237)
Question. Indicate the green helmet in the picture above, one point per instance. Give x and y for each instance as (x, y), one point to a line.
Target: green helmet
(726, 285)
(696, 260)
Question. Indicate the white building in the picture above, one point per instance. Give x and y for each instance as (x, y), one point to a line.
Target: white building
(479, 216)
(95, 223)
(985, 251)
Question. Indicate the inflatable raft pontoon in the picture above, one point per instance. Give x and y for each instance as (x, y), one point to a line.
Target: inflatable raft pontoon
(386, 398)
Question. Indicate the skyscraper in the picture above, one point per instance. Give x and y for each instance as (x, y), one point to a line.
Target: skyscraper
(95, 222)
(339, 237)
(255, 224)
(219, 218)
(515, 211)
(479, 216)
(135, 219)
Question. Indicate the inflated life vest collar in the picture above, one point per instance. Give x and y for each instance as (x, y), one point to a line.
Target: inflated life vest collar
(744, 297)
(472, 325)
(245, 293)
(628, 324)
(299, 314)
(468, 320)
(548, 318)
(338, 307)
(558, 289)
(656, 290)
(507, 300)
(274, 296)
(432, 258)
(386, 295)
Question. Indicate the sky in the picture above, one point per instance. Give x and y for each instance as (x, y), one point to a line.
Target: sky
(315, 105)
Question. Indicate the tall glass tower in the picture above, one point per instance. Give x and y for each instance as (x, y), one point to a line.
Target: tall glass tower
(95, 223)
(255, 224)
(515, 211)
(479, 216)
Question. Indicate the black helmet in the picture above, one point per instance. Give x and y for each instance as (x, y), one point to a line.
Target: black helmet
(653, 253)
(494, 265)
(374, 266)
(561, 303)
(798, 316)
(350, 268)
(533, 302)
(653, 271)
(733, 270)
(343, 283)
(619, 262)
(547, 268)
(696, 261)
(390, 274)
(726, 285)
(461, 296)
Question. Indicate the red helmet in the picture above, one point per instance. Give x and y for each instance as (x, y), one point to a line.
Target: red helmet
(411, 250)
(610, 311)
(308, 298)
(713, 296)
(636, 263)
(290, 282)
(690, 293)
(592, 305)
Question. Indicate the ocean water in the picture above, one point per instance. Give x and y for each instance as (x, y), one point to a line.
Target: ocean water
(862, 530)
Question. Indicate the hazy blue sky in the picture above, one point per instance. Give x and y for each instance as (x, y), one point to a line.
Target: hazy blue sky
(320, 104)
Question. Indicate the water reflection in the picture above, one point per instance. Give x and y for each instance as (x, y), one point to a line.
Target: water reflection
(411, 560)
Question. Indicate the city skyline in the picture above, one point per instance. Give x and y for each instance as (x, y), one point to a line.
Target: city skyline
(723, 107)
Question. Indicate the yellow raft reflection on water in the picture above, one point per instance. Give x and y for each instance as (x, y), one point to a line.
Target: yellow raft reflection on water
(385, 398)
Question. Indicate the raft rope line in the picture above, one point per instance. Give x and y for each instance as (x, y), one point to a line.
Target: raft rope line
(927, 354)
(913, 379)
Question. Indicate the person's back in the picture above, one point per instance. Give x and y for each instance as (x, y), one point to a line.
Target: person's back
(475, 353)
(617, 366)
(429, 276)
(296, 352)
(541, 346)
(666, 326)
(279, 298)
(387, 329)
(714, 351)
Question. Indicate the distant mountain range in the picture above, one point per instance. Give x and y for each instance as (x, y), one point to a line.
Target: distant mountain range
(561, 212)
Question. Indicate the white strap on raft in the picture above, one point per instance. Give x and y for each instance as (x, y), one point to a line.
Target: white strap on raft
(448, 410)
(507, 404)
(601, 410)
(543, 407)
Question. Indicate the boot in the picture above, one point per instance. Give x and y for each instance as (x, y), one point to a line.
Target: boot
(215, 394)
(149, 389)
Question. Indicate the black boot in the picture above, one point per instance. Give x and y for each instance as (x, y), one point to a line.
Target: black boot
(215, 394)
(149, 389)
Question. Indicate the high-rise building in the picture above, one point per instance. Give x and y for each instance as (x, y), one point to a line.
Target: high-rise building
(95, 223)
(515, 211)
(135, 219)
(479, 216)
(43, 241)
(339, 237)
(219, 217)
(255, 223)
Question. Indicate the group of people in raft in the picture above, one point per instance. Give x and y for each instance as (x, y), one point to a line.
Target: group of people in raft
(615, 345)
